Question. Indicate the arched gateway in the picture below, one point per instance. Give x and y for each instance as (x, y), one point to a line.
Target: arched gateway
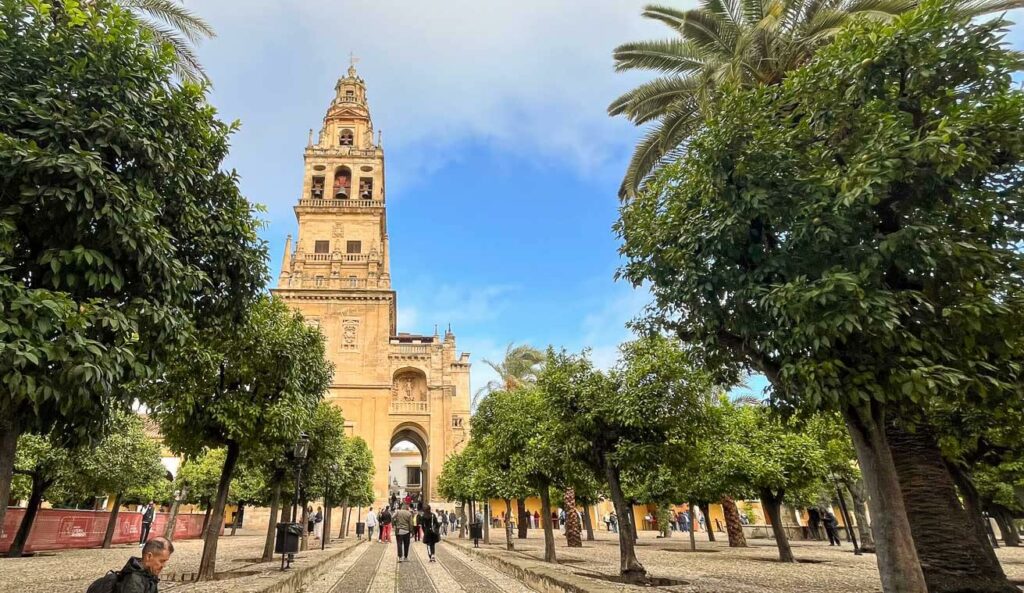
(389, 385)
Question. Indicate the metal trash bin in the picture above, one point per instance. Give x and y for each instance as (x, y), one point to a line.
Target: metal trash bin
(360, 530)
(288, 536)
(476, 530)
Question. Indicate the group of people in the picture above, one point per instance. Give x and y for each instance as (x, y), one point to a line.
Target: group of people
(817, 518)
(424, 525)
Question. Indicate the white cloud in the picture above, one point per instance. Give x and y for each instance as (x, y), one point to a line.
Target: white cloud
(529, 76)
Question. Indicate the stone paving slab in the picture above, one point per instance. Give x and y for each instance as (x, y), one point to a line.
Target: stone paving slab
(712, 568)
(71, 571)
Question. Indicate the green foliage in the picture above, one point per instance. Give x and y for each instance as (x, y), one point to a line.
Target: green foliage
(518, 368)
(44, 457)
(327, 450)
(256, 385)
(200, 474)
(851, 233)
(501, 431)
(125, 461)
(357, 473)
(118, 227)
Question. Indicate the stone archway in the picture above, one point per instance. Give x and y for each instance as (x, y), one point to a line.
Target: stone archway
(415, 434)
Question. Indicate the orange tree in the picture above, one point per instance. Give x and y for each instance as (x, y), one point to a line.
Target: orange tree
(119, 229)
(854, 234)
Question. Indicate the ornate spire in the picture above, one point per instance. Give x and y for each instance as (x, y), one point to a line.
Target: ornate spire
(352, 60)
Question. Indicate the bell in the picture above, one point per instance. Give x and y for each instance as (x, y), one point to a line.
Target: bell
(341, 192)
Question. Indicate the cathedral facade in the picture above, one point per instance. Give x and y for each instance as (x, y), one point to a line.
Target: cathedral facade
(390, 386)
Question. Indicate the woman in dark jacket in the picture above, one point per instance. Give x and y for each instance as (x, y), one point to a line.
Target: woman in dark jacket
(431, 530)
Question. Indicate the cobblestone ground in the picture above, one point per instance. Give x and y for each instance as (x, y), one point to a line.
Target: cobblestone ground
(714, 567)
(375, 569)
(71, 571)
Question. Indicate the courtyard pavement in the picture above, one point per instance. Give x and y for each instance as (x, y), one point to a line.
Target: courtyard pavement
(712, 568)
(360, 567)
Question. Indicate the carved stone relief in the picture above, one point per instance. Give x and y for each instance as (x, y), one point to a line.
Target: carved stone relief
(409, 386)
(350, 335)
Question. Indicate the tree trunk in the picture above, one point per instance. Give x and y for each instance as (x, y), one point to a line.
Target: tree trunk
(588, 523)
(524, 518)
(304, 540)
(9, 432)
(327, 523)
(545, 519)
(629, 565)
(705, 509)
(508, 525)
(275, 504)
(972, 505)
(108, 536)
(693, 524)
(175, 507)
(898, 565)
(238, 517)
(1004, 518)
(462, 519)
(39, 486)
(867, 542)
(208, 562)
(206, 516)
(572, 520)
(487, 522)
(348, 521)
(953, 557)
(341, 523)
(772, 505)
(733, 527)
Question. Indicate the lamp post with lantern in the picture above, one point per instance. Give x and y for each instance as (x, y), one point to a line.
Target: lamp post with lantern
(288, 534)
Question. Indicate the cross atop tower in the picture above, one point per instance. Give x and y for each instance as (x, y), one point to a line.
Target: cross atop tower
(352, 61)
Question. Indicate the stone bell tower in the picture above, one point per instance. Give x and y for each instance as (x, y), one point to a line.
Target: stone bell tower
(390, 386)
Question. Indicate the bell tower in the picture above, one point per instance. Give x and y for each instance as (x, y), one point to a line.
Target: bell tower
(390, 386)
(342, 241)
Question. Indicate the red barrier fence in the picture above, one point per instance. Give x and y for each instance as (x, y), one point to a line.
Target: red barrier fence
(60, 529)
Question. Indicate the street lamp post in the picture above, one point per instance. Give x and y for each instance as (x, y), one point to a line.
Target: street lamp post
(299, 453)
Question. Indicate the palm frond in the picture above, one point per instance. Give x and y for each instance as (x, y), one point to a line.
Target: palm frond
(670, 55)
(975, 8)
(652, 99)
(654, 147)
(186, 65)
(174, 14)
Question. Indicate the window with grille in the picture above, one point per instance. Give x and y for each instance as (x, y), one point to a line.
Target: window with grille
(354, 247)
(322, 247)
(412, 476)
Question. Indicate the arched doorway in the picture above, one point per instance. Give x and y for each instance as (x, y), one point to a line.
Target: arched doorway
(408, 465)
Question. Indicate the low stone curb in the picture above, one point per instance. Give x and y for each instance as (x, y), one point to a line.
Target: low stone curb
(534, 574)
(294, 581)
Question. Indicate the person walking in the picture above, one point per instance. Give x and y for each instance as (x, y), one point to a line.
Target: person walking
(831, 528)
(430, 526)
(148, 514)
(309, 519)
(453, 521)
(614, 520)
(536, 520)
(318, 523)
(371, 522)
(139, 575)
(402, 522)
(416, 526)
(385, 519)
(442, 519)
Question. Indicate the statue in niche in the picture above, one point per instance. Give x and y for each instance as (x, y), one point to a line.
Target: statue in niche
(409, 387)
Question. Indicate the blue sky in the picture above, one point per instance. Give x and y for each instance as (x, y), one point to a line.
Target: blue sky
(502, 164)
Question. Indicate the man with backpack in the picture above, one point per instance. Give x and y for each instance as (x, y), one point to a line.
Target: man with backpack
(139, 575)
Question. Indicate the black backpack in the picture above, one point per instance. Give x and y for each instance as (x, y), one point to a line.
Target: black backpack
(108, 583)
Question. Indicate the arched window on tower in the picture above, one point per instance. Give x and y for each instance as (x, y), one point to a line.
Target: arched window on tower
(346, 138)
(318, 188)
(366, 188)
(342, 183)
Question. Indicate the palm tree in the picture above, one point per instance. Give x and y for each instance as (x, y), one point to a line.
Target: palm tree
(518, 367)
(168, 21)
(727, 44)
